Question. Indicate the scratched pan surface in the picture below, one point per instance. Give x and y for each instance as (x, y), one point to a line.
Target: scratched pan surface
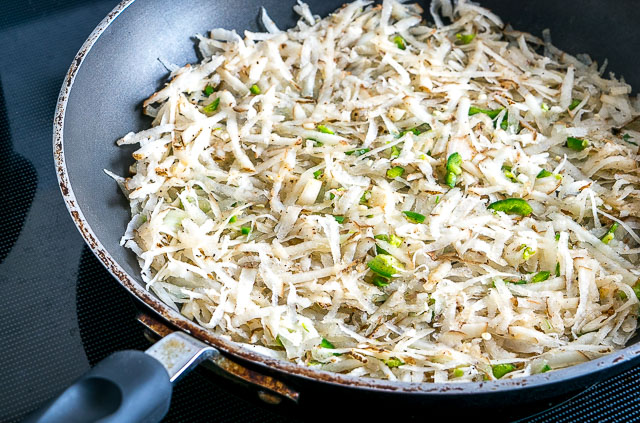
(119, 65)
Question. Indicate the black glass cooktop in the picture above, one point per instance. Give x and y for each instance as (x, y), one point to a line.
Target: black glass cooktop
(61, 311)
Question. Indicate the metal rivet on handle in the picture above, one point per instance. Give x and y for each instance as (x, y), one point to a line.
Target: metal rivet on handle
(269, 398)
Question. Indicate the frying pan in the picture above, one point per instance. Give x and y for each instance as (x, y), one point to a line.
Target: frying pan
(119, 65)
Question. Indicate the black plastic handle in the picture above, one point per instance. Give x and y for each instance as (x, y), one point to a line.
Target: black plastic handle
(127, 386)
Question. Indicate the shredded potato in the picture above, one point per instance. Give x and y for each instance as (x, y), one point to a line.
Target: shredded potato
(373, 195)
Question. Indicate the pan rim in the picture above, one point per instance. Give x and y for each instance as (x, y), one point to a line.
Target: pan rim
(610, 361)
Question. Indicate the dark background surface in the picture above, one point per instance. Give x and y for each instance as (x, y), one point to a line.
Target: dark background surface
(62, 312)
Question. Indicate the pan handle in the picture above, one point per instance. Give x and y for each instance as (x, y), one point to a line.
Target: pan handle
(128, 386)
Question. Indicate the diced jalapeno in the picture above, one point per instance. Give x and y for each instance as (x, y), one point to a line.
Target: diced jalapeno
(527, 252)
(325, 130)
(399, 42)
(357, 152)
(385, 265)
(380, 250)
(512, 206)
(316, 143)
(610, 234)
(414, 217)
(454, 169)
(540, 276)
(499, 370)
(636, 288)
(458, 372)
(326, 344)
(380, 281)
(543, 174)
(491, 113)
(255, 90)
(211, 107)
(545, 368)
(627, 138)
(339, 219)
(506, 170)
(208, 90)
(364, 199)
(574, 103)
(395, 172)
(233, 219)
(577, 144)
(318, 174)
(393, 362)
(465, 38)
(557, 269)
(246, 230)
(396, 241)
(395, 153)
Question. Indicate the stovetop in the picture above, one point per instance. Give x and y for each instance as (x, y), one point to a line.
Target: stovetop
(61, 310)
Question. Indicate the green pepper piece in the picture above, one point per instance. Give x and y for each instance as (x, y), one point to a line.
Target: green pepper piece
(211, 107)
(385, 265)
(414, 217)
(557, 269)
(545, 368)
(246, 230)
(326, 344)
(577, 144)
(399, 42)
(364, 199)
(610, 234)
(509, 174)
(491, 113)
(325, 130)
(458, 372)
(380, 250)
(512, 206)
(233, 219)
(395, 172)
(357, 152)
(318, 174)
(636, 288)
(540, 276)
(339, 219)
(543, 174)
(396, 241)
(527, 252)
(574, 103)
(255, 89)
(499, 370)
(626, 138)
(395, 152)
(454, 169)
(393, 362)
(208, 90)
(465, 38)
(380, 281)
(316, 143)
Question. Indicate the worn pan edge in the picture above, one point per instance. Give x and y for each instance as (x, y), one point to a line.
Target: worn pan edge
(574, 374)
